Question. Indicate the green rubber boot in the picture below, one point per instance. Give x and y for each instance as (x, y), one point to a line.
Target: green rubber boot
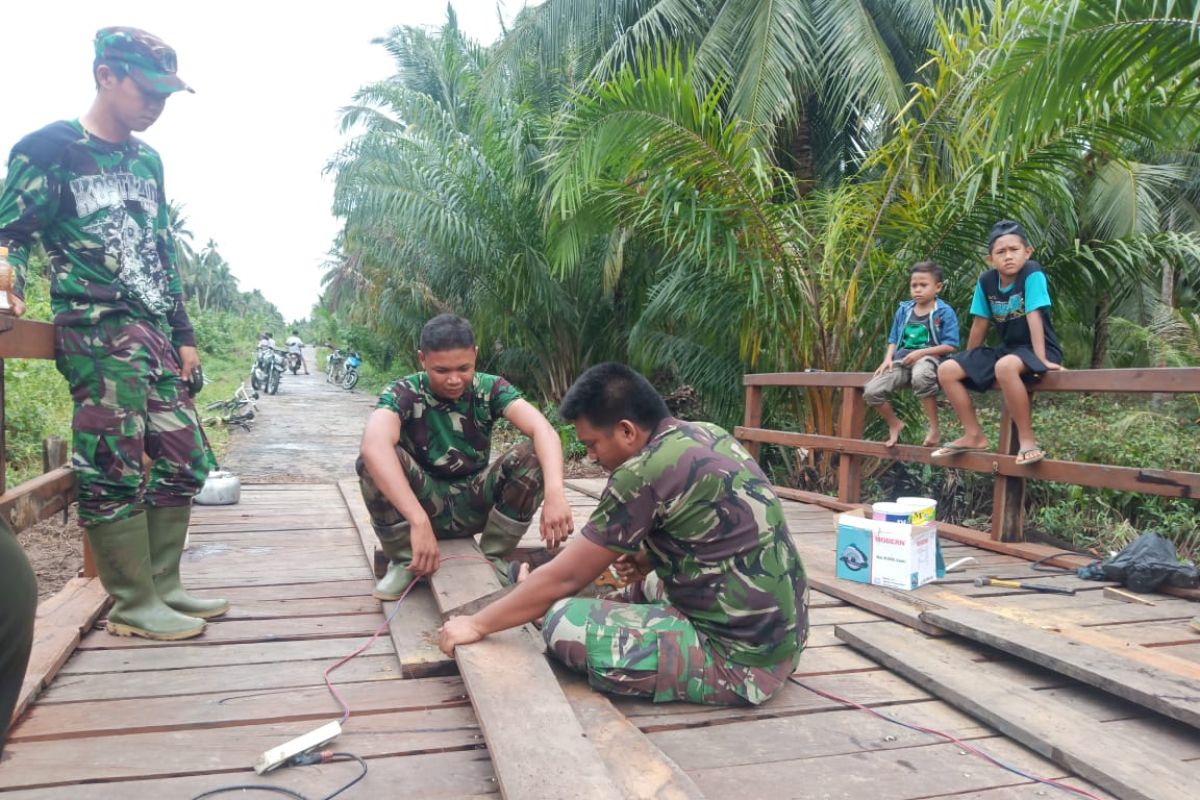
(501, 535)
(168, 532)
(396, 542)
(122, 553)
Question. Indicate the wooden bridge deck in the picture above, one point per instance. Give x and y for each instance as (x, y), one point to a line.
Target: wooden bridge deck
(129, 719)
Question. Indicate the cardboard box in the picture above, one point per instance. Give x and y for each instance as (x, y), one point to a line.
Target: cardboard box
(892, 554)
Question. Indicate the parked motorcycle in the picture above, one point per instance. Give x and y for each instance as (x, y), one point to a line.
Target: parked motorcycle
(269, 364)
(350, 370)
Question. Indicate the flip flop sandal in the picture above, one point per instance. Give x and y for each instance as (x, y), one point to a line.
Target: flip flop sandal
(947, 450)
(1024, 460)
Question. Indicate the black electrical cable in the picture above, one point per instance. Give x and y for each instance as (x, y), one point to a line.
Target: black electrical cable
(300, 760)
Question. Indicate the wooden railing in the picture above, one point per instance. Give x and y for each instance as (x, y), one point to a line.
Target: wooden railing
(1009, 492)
(49, 493)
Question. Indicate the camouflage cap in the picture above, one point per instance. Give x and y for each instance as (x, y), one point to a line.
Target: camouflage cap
(149, 60)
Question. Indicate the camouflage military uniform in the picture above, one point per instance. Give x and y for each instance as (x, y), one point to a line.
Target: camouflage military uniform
(18, 606)
(101, 214)
(723, 617)
(444, 449)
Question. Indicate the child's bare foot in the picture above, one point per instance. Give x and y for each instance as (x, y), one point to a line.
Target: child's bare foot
(932, 439)
(522, 572)
(894, 429)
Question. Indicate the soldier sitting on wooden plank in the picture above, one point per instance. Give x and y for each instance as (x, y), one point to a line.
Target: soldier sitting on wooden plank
(718, 613)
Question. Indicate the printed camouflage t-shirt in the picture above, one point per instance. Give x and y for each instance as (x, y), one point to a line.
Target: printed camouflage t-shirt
(449, 438)
(101, 214)
(717, 538)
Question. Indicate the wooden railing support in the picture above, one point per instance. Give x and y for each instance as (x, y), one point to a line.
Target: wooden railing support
(1009, 488)
(754, 413)
(1008, 493)
(852, 425)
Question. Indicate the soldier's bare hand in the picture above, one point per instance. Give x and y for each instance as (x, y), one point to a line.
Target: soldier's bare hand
(557, 521)
(456, 631)
(424, 549)
(633, 567)
(189, 360)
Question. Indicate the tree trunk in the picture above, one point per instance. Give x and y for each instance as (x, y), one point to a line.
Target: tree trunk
(1100, 340)
(795, 152)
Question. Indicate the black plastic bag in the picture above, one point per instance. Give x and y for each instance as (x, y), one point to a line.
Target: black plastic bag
(1146, 563)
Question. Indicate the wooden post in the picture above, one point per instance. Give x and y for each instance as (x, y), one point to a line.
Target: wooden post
(754, 415)
(1008, 496)
(54, 453)
(851, 426)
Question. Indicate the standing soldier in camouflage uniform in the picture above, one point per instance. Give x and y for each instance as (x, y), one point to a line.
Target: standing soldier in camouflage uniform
(424, 466)
(93, 194)
(721, 615)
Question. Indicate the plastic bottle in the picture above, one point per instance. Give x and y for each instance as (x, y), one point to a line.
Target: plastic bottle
(6, 281)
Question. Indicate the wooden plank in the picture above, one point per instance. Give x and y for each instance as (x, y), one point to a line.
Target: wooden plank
(184, 656)
(196, 680)
(1166, 483)
(906, 774)
(529, 726)
(453, 774)
(1163, 691)
(639, 768)
(60, 622)
(299, 591)
(830, 733)
(293, 608)
(234, 707)
(413, 629)
(875, 688)
(1128, 767)
(163, 754)
(222, 631)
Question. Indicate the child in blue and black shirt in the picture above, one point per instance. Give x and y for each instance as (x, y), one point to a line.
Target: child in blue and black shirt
(1015, 298)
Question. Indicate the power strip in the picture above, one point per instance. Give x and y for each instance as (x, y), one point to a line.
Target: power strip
(278, 756)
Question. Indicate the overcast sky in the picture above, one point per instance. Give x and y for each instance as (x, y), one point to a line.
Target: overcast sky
(246, 152)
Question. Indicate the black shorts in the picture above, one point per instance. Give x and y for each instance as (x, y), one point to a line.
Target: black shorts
(980, 365)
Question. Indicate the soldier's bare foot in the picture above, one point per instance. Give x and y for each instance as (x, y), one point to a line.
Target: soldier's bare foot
(894, 430)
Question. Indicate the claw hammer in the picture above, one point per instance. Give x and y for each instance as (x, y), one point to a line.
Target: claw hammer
(987, 580)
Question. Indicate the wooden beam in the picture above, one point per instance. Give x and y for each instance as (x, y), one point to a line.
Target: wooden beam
(1165, 691)
(38, 498)
(24, 338)
(1120, 762)
(537, 745)
(1144, 381)
(639, 767)
(413, 628)
(1166, 483)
